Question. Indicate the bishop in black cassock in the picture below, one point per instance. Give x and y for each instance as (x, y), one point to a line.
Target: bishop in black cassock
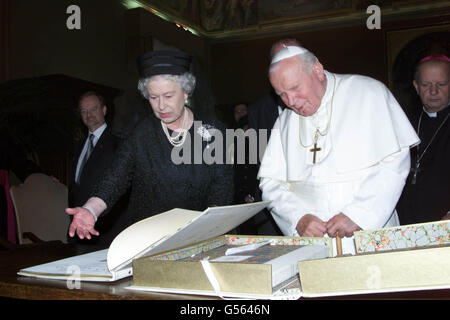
(426, 196)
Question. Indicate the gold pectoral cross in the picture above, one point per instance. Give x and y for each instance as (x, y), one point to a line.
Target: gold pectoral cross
(315, 149)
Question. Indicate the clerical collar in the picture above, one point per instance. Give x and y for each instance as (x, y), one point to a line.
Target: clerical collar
(437, 114)
(430, 114)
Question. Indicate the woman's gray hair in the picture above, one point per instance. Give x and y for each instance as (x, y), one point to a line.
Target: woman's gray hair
(186, 81)
(307, 59)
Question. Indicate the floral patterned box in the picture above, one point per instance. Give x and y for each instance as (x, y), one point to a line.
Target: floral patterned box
(403, 237)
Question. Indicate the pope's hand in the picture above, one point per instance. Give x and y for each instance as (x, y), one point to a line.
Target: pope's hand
(311, 226)
(341, 225)
(82, 224)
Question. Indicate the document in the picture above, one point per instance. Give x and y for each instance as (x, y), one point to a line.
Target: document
(165, 231)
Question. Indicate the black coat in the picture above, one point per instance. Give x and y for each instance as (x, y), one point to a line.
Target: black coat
(429, 198)
(144, 163)
(263, 113)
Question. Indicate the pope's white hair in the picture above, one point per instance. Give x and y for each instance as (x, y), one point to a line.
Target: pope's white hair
(186, 81)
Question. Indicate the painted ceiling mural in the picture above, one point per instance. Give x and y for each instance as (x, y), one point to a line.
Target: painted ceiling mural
(214, 16)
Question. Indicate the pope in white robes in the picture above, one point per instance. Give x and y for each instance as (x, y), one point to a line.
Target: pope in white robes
(338, 156)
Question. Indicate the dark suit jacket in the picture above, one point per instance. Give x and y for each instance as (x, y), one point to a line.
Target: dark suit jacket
(94, 169)
(262, 114)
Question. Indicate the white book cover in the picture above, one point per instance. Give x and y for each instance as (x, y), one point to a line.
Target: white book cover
(166, 231)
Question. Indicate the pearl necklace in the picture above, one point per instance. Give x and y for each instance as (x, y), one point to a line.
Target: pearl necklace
(180, 137)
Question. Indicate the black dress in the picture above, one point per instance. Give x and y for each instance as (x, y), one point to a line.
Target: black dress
(428, 199)
(144, 163)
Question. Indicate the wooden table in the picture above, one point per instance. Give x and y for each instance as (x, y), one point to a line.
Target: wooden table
(14, 286)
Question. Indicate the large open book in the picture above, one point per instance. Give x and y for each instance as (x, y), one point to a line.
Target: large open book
(165, 231)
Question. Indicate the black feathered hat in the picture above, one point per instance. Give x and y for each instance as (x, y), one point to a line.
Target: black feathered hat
(163, 62)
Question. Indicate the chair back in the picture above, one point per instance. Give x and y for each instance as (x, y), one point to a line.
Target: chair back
(39, 205)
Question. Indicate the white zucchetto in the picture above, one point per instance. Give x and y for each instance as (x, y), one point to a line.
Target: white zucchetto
(288, 52)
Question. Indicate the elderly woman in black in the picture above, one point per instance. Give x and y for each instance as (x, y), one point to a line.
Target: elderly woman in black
(163, 160)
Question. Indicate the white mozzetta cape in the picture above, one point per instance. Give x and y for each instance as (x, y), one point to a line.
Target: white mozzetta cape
(363, 162)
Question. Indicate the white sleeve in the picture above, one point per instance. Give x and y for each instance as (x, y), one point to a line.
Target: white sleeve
(375, 201)
(285, 207)
(96, 206)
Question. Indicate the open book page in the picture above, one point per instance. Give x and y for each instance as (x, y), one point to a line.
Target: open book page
(136, 238)
(91, 266)
(145, 234)
(169, 230)
(212, 223)
(175, 229)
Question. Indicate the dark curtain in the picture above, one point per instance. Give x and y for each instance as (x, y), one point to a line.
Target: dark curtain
(5, 40)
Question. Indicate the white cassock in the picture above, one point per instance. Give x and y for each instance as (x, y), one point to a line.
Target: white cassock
(362, 165)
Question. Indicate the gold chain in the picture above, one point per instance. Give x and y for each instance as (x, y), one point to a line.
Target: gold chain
(316, 135)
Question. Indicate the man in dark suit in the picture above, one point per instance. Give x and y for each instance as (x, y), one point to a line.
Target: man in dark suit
(92, 157)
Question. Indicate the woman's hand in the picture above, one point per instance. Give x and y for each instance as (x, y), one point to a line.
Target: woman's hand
(82, 224)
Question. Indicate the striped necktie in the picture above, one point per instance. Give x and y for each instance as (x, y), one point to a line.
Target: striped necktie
(90, 148)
